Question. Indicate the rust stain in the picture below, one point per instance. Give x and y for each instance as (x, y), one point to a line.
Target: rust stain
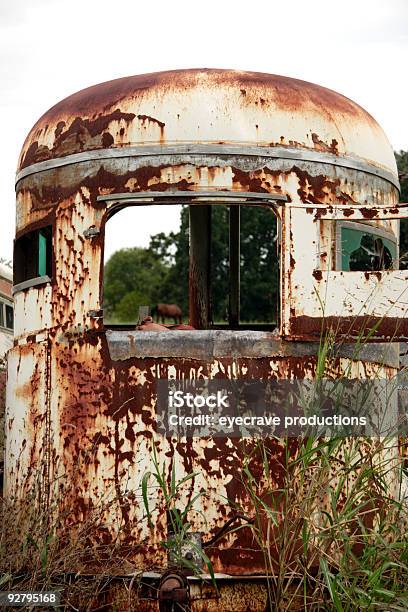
(147, 118)
(322, 146)
(77, 136)
(369, 327)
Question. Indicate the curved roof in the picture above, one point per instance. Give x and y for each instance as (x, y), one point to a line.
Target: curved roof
(208, 106)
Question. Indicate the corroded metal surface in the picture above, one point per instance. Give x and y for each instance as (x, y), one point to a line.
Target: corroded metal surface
(353, 303)
(81, 399)
(103, 429)
(171, 107)
(214, 344)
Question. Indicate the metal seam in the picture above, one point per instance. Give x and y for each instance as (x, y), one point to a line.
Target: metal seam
(185, 195)
(209, 149)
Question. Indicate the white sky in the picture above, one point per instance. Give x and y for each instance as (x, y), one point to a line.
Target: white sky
(51, 48)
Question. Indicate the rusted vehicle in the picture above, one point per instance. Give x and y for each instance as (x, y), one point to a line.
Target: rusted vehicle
(81, 396)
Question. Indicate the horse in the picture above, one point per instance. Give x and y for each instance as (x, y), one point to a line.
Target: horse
(170, 311)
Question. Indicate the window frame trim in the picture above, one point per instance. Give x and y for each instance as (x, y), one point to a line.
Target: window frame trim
(32, 282)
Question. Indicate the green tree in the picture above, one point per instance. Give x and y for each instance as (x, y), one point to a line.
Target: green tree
(173, 250)
(133, 277)
(259, 263)
(402, 163)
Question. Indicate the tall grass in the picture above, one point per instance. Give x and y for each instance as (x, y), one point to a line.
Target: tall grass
(42, 550)
(332, 532)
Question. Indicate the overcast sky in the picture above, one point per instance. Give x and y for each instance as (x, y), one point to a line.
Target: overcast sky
(52, 48)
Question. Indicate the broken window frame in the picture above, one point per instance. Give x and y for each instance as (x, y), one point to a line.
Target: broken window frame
(369, 305)
(199, 206)
(33, 259)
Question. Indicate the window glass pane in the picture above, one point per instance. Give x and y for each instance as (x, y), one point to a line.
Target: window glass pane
(9, 316)
(2, 314)
(362, 250)
(42, 254)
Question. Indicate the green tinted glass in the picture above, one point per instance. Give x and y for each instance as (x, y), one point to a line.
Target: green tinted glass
(42, 254)
(365, 251)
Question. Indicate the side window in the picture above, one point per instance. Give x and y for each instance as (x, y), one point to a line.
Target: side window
(365, 249)
(146, 265)
(6, 315)
(33, 255)
(9, 317)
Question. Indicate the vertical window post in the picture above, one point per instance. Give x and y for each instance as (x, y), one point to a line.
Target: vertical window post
(234, 265)
(200, 260)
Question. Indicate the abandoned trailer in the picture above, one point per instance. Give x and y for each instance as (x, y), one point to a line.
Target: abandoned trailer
(81, 393)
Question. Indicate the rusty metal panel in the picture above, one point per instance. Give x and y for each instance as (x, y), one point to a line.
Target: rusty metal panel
(103, 431)
(35, 310)
(76, 286)
(239, 597)
(382, 212)
(352, 304)
(27, 461)
(300, 182)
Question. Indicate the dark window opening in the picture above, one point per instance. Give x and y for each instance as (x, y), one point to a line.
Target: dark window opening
(33, 255)
(366, 249)
(6, 315)
(9, 317)
(220, 269)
